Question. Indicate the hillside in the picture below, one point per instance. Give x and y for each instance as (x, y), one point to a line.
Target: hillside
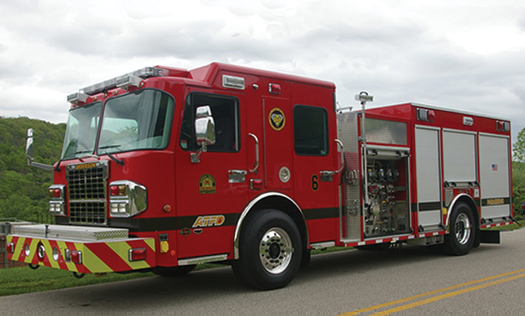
(23, 189)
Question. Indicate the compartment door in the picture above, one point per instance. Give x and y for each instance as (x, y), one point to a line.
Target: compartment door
(494, 176)
(428, 175)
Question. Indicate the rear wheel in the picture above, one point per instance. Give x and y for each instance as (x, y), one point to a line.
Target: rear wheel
(462, 231)
(270, 251)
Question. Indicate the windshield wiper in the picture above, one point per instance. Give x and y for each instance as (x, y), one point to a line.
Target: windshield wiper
(120, 162)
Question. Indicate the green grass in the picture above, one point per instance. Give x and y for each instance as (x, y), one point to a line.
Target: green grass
(24, 280)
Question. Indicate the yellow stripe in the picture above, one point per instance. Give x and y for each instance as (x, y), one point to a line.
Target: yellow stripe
(122, 250)
(89, 259)
(62, 248)
(18, 250)
(49, 253)
(151, 243)
(32, 250)
(92, 262)
(447, 295)
(406, 299)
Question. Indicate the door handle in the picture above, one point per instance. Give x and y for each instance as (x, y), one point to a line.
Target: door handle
(256, 165)
(340, 143)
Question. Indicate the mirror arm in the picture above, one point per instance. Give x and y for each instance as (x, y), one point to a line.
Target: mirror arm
(39, 165)
(195, 157)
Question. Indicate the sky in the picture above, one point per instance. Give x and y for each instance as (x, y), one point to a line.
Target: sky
(465, 55)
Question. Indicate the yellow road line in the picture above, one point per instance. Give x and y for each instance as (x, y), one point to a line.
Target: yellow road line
(410, 298)
(447, 295)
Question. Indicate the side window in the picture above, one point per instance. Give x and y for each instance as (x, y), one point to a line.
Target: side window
(310, 130)
(225, 112)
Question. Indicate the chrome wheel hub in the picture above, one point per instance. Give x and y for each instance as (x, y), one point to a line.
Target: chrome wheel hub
(275, 250)
(462, 229)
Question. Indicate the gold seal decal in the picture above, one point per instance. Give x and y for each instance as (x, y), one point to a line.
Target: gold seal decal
(277, 119)
(207, 184)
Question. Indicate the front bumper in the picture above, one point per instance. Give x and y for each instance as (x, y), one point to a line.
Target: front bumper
(80, 249)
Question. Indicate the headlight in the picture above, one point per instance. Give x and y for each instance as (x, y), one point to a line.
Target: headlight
(57, 199)
(127, 198)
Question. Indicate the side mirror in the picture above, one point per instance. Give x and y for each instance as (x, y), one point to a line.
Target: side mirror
(204, 126)
(204, 131)
(29, 145)
(29, 153)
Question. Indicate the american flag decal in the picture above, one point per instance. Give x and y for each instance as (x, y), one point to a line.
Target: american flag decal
(494, 167)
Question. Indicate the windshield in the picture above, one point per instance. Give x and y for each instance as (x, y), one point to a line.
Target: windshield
(140, 120)
(81, 131)
(134, 121)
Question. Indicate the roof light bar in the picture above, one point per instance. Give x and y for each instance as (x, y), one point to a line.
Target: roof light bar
(128, 80)
(76, 97)
(124, 81)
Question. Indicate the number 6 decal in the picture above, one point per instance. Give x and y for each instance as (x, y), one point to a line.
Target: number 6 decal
(315, 183)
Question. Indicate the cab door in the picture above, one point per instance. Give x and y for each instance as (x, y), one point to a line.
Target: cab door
(211, 185)
(316, 160)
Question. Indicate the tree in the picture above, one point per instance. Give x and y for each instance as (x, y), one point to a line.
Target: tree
(23, 189)
(518, 172)
(519, 147)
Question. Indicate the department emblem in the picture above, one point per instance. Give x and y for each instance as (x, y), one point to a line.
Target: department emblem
(277, 119)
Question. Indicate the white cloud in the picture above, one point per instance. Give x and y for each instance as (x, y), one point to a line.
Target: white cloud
(454, 53)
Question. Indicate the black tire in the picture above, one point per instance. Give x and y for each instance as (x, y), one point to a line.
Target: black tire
(462, 231)
(270, 251)
(174, 271)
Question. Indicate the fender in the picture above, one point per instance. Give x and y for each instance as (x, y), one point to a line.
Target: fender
(453, 204)
(251, 206)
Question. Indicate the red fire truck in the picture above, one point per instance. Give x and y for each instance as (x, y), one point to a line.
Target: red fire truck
(164, 168)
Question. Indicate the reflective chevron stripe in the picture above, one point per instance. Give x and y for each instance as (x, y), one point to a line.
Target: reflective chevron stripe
(97, 257)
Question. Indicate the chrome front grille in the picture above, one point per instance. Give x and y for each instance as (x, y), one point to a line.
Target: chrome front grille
(87, 184)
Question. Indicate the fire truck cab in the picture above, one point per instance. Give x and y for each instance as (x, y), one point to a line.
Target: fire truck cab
(165, 168)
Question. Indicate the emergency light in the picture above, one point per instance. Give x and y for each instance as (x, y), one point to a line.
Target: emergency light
(426, 115)
(130, 79)
(502, 126)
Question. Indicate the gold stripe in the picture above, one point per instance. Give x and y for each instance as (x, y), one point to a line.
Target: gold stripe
(406, 299)
(447, 295)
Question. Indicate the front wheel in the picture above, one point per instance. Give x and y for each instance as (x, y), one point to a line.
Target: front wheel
(270, 251)
(462, 230)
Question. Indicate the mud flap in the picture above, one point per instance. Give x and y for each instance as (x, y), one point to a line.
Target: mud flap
(490, 236)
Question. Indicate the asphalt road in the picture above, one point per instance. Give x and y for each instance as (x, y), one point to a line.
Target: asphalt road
(407, 281)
